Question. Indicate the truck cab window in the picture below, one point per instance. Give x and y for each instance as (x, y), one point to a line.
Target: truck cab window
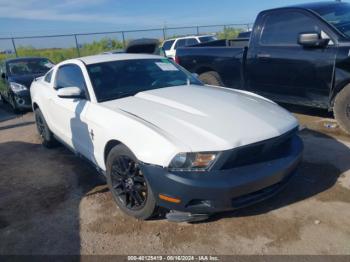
(283, 28)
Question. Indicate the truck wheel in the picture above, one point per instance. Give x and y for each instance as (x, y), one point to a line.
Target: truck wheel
(342, 109)
(129, 188)
(47, 138)
(211, 78)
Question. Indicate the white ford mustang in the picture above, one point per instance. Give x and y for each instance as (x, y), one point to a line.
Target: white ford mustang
(162, 138)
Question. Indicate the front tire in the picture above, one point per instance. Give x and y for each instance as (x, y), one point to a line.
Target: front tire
(14, 105)
(128, 186)
(47, 138)
(211, 78)
(342, 109)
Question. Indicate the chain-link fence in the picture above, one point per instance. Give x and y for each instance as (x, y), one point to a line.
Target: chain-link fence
(61, 47)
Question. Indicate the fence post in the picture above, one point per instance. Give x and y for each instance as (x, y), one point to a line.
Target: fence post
(123, 36)
(14, 46)
(164, 33)
(77, 45)
(197, 30)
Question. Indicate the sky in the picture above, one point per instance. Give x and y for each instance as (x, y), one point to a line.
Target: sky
(36, 17)
(49, 17)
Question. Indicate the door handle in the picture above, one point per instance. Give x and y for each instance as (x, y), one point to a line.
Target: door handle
(263, 55)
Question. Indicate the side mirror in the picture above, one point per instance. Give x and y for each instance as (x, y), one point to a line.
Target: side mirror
(3, 75)
(70, 92)
(312, 40)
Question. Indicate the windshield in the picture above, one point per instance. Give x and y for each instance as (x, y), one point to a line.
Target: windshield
(338, 15)
(29, 67)
(205, 39)
(117, 79)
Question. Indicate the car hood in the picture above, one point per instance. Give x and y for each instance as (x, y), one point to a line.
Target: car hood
(207, 118)
(25, 80)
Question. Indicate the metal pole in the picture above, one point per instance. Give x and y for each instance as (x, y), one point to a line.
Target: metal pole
(76, 44)
(164, 33)
(123, 36)
(14, 46)
(197, 30)
(225, 33)
(248, 27)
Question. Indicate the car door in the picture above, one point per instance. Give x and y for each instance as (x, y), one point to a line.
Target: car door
(68, 114)
(280, 68)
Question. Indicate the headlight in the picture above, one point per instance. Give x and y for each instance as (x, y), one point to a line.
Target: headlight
(193, 161)
(15, 87)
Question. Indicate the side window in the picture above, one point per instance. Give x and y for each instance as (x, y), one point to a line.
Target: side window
(191, 41)
(180, 43)
(48, 76)
(70, 75)
(168, 44)
(283, 28)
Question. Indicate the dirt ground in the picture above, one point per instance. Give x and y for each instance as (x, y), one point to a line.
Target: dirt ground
(53, 203)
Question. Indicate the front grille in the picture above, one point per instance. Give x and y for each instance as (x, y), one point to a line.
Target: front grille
(260, 152)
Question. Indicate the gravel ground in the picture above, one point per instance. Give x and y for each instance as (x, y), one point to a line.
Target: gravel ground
(53, 203)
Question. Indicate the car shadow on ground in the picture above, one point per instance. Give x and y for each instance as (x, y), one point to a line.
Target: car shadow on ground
(5, 112)
(40, 195)
(317, 174)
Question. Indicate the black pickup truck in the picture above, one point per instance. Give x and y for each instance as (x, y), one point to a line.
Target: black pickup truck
(296, 55)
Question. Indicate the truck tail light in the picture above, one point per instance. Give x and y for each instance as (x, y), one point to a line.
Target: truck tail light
(177, 60)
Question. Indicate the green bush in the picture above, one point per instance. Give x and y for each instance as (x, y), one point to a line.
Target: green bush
(229, 33)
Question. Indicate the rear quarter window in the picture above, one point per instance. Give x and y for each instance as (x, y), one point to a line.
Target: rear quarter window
(283, 28)
(168, 44)
(48, 77)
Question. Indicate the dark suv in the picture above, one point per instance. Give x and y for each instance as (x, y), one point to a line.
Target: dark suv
(16, 77)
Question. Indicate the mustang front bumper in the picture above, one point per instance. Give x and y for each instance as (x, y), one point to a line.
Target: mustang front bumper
(224, 189)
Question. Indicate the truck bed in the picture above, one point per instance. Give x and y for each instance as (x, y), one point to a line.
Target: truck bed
(224, 56)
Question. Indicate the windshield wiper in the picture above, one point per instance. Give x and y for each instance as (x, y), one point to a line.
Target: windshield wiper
(126, 94)
(120, 95)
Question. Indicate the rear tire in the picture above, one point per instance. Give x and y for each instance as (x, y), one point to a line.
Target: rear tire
(211, 78)
(342, 109)
(128, 186)
(47, 138)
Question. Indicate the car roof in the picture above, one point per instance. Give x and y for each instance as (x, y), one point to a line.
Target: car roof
(317, 4)
(310, 6)
(186, 37)
(95, 59)
(23, 59)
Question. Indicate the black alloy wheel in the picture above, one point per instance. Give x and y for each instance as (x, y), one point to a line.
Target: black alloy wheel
(128, 183)
(40, 125)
